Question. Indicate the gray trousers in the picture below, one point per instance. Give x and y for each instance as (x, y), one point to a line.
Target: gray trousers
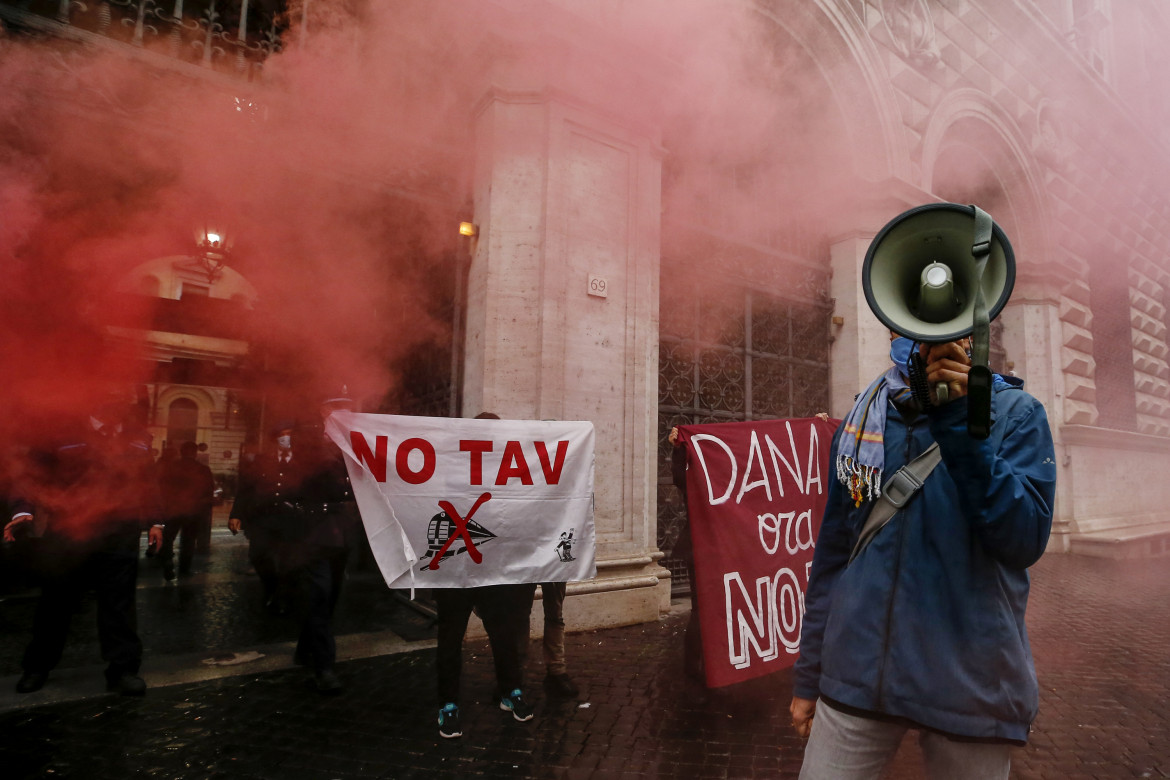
(847, 747)
(552, 597)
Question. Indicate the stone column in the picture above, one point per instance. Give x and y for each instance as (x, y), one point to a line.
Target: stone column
(563, 314)
(861, 344)
(1036, 334)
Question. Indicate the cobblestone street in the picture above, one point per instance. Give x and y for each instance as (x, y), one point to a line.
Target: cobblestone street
(1099, 630)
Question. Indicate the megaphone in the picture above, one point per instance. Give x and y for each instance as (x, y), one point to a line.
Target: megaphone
(940, 272)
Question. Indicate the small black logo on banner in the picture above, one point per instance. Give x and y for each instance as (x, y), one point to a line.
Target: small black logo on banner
(565, 547)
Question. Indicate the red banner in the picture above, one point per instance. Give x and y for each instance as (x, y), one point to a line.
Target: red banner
(755, 496)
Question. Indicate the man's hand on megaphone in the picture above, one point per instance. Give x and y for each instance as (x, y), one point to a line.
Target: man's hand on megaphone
(948, 363)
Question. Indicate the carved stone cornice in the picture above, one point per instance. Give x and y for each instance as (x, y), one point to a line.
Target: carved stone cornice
(911, 29)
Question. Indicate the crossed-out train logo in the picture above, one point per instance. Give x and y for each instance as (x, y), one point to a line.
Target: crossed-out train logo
(449, 534)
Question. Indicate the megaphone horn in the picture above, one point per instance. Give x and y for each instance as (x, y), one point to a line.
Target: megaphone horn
(906, 262)
(938, 273)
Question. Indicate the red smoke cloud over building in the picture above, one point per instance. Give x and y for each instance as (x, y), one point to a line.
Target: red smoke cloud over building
(669, 203)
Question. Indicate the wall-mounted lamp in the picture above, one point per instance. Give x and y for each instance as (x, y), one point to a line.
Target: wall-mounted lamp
(214, 245)
(469, 229)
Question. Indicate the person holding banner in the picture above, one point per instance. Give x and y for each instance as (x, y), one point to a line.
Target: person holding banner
(504, 610)
(922, 628)
(717, 637)
(478, 511)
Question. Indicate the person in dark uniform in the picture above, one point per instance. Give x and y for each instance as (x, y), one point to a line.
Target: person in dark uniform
(318, 546)
(92, 495)
(265, 507)
(187, 488)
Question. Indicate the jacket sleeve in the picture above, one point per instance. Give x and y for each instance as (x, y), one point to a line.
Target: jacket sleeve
(245, 495)
(1006, 491)
(830, 556)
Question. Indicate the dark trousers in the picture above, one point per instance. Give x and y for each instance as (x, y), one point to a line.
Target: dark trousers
(113, 574)
(186, 527)
(264, 555)
(203, 534)
(316, 582)
(504, 610)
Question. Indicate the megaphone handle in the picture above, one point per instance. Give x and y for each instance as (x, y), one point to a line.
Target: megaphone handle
(942, 393)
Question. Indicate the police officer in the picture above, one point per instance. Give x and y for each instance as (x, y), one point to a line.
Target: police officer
(318, 547)
(92, 494)
(265, 508)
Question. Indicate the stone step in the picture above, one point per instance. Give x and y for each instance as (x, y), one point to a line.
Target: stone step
(1142, 541)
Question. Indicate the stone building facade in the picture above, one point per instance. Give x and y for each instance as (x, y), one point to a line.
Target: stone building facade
(197, 347)
(1057, 103)
(1047, 114)
(594, 289)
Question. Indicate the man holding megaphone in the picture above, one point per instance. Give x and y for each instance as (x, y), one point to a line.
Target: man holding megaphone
(914, 614)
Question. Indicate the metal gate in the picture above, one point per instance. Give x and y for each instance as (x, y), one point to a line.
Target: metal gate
(732, 352)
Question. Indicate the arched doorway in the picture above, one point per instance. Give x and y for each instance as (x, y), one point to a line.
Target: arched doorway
(973, 160)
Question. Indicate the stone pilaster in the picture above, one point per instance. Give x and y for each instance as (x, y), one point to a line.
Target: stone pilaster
(563, 314)
(861, 344)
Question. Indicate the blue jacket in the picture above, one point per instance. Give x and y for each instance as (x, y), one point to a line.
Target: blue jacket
(927, 623)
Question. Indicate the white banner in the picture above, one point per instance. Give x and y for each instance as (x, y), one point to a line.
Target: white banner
(454, 503)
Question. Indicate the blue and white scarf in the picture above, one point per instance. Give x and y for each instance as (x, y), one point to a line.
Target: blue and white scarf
(861, 451)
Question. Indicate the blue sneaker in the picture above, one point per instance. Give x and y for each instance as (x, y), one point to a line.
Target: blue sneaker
(514, 703)
(449, 721)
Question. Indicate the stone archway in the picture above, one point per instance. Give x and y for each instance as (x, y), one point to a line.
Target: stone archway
(972, 152)
(836, 40)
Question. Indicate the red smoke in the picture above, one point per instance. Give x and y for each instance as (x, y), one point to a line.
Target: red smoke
(340, 176)
(344, 167)
(342, 173)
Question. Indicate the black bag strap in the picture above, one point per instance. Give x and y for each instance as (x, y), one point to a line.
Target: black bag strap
(979, 380)
(896, 493)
